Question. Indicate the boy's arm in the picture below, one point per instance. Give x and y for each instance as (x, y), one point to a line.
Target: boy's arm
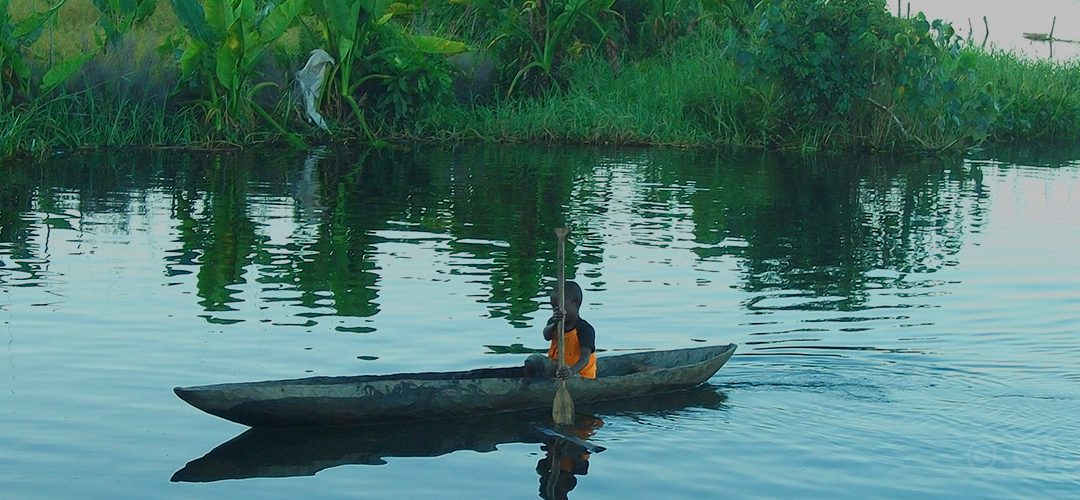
(552, 326)
(586, 352)
(587, 339)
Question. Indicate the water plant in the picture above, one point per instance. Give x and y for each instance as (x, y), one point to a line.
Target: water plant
(667, 100)
(930, 72)
(1035, 100)
(380, 61)
(650, 25)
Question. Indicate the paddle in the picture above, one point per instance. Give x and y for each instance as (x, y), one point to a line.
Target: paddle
(562, 409)
(555, 449)
(589, 446)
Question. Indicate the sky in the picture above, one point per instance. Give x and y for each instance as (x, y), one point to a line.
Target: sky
(1008, 21)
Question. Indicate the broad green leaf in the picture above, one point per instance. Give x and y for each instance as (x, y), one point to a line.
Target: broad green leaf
(339, 15)
(219, 16)
(145, 9)
(375, 8)
(29, 29)
(192, 15)
(62, 71)
(246, 10)
(19, 67)
(280, 18)
(345, 46)
(250, 48)
(226, 66)
(437, 45)
(189, 59)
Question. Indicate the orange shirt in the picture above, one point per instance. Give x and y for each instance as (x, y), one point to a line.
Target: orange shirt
(573, 350)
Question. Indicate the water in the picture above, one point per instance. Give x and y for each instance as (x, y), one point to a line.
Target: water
(1006, 23)
(906, 327)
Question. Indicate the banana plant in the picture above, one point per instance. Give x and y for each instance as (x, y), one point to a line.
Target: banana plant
(117, 17)
(15, 38)
(347, 26)
(559, 21)
(539, 32)
(226, 40)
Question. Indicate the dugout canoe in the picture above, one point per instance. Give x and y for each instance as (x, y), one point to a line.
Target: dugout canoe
(371, 399)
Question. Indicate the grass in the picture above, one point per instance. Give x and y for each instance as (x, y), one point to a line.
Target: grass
(669, 99)
(76, 121)
(1038, 100)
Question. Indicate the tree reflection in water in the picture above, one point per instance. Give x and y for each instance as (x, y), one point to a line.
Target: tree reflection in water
(812, 225)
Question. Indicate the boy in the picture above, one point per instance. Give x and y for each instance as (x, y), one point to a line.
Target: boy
(580, 341)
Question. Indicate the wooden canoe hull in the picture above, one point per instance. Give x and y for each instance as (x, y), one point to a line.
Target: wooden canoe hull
(323, 401)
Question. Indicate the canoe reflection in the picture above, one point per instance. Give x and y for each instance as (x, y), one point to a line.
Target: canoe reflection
(270, 452)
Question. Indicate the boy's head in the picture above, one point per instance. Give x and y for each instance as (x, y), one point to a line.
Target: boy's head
(573, 298)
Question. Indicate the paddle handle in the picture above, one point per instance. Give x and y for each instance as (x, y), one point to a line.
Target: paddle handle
(560, 233)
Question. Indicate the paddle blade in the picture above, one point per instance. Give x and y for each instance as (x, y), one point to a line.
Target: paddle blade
(562, 410)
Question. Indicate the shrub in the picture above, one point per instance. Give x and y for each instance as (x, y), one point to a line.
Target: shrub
(409, 79)
(851, 66)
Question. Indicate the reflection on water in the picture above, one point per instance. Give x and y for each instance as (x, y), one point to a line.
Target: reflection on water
(565, 459)
(307, 451)
(310, 235)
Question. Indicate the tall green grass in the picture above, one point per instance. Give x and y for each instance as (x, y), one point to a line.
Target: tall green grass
(83, 120)
(691, 94)
(1037, 100)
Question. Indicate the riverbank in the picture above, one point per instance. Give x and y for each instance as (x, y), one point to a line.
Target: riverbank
(786, 75)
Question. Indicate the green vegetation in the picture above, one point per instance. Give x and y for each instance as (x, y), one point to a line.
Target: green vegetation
(791, 74)
(119, 16)
(225, 43)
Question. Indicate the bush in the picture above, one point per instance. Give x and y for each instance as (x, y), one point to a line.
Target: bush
(823, 54)
(851, 66)
(409, 80)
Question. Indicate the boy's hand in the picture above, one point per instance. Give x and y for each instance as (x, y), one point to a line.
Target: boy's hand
(562, 373)
(552, 327)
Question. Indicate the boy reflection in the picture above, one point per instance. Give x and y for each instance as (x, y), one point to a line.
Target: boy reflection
(565, 460)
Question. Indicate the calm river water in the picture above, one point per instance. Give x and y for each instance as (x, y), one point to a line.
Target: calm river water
(906, 327)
